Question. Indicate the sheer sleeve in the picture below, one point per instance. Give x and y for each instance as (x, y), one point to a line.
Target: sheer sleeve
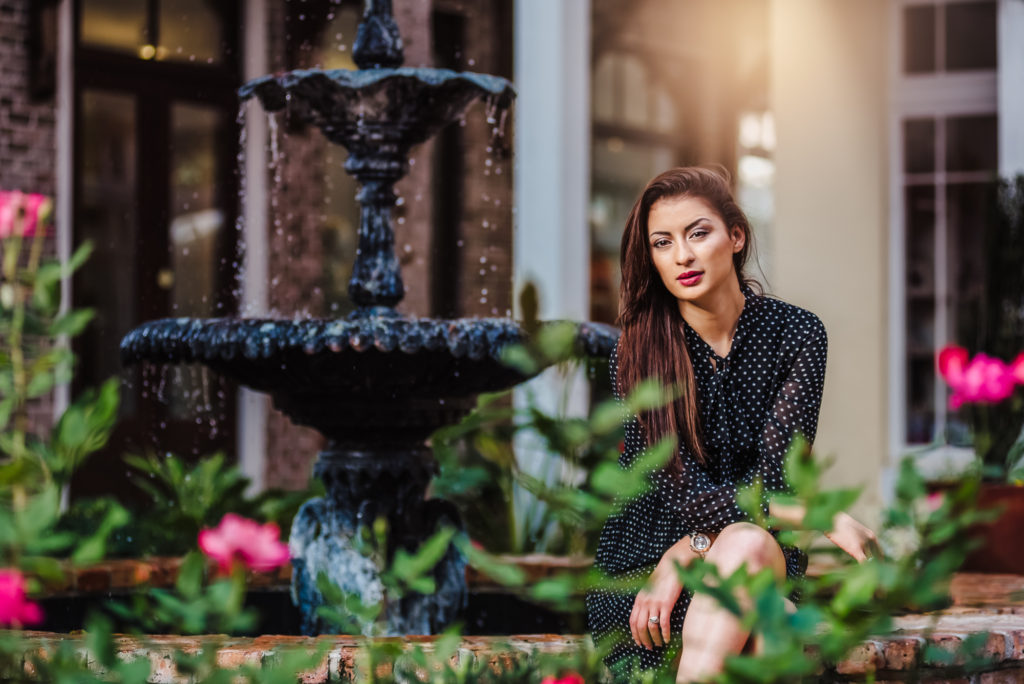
(709, 508)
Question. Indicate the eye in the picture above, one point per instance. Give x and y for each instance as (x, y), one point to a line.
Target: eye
(698, 233)
(659, 243)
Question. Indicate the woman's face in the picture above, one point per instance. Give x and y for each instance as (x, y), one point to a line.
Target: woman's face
(692, 248)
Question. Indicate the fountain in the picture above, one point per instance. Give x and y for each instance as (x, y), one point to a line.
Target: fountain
(378, 383)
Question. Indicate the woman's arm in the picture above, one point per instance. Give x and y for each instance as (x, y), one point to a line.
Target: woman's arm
(660, 597)
(846, 533)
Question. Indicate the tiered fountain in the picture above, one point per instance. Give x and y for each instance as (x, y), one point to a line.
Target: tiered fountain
(376, 384)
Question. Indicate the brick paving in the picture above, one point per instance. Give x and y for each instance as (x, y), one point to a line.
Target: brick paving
(992, 604)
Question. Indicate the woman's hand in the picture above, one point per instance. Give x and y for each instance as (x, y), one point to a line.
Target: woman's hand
(660, 597)
(854, 538)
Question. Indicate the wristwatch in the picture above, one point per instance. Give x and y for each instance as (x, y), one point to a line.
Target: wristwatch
(700, 543)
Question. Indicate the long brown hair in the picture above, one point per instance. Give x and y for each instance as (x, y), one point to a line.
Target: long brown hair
(653, 343)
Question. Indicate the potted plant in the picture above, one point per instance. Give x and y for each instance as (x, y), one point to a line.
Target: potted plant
(985, 386)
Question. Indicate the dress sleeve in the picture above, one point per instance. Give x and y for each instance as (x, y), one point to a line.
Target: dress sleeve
(794, 410)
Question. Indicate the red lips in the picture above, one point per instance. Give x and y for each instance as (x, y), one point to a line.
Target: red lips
(690, 278)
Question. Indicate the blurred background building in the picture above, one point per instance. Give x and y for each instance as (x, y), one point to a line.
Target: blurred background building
(860, 137)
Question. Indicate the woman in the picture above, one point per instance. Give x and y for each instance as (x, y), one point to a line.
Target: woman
(750, 369)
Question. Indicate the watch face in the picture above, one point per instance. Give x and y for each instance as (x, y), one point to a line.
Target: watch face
(700, 542)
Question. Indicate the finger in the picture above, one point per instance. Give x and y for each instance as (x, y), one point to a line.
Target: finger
(654, 628)
(642, 631)
(666, 627)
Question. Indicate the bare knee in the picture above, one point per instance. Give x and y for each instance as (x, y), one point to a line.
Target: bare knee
(745, 542)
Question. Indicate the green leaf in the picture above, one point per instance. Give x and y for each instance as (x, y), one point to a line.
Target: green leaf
(93, 548)
(72, 323)
(40, 384)
(79, 257)
(502, 572)
(857, 590)
(6, 407)
(410, 568)
(190, 577)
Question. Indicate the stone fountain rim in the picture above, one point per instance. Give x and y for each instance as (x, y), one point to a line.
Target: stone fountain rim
(199, 339)
(358, 79)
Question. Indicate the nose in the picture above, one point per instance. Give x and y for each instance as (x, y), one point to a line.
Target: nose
(683, 253)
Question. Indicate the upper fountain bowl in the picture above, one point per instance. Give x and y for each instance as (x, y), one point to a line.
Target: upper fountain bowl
(371, 108)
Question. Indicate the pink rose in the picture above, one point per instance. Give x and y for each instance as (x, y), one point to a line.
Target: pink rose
(981, 379)
(22, 214)
(15, 609)
(257, 546)
(1018, 368)
(570, 678)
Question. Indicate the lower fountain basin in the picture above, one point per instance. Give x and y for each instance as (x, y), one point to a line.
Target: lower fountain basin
(350, 378)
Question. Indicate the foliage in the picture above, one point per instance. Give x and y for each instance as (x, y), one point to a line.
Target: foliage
(839, 609)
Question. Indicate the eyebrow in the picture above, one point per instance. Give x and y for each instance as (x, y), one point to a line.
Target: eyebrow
(665, 232)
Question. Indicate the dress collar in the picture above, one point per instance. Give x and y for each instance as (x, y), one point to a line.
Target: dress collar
(751, 303)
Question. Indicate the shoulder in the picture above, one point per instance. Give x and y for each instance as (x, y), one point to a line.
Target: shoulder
(797, 325)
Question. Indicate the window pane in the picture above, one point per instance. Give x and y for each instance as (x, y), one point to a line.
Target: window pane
(970, 36)
(107, 216)
(197, 220)
(191, 31)
(919, 39)
(114, 24)
(919, 145)
(194, 236)
(920, 241)
(971, 143)
(967, 217)
(635, 93)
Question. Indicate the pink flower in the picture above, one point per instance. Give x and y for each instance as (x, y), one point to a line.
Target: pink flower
(22, 214)
(257, 546)
(15, 610)
(982, 379)
(934, 501)
(570, 678)
(1018, 368)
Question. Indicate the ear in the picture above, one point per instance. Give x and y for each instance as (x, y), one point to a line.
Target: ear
(739, 239)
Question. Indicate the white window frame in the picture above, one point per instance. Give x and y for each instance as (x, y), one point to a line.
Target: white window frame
(938, 95)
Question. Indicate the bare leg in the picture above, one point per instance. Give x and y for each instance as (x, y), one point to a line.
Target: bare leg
(710, 632)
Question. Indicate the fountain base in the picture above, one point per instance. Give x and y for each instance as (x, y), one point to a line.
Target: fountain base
(338, 538)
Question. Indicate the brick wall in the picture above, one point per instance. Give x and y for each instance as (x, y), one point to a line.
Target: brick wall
(27, 134)
(27, 128)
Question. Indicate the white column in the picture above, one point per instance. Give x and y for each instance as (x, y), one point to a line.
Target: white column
(551, 246)
(64, 165)
(552, 138)
(251, 442)
(1011, 95)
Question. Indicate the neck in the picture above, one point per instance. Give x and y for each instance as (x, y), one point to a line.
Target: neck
(715, 316)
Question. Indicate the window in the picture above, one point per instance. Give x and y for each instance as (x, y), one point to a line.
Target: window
(155, 192)
(634, 138)
(946, 130)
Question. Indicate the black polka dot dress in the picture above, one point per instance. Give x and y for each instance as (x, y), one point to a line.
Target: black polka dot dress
(751, 403)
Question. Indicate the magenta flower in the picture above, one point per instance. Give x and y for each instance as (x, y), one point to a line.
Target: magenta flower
(1018, 368)
(257, 546)
(15, 609)
(983, 379)
(22, 214)
(934, 501)
(570, 678)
